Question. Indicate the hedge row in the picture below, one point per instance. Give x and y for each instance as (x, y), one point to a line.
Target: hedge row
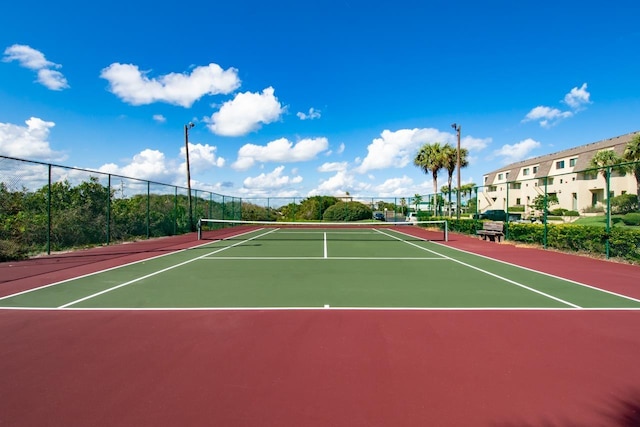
(624, 243)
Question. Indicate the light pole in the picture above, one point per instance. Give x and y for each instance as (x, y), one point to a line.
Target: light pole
(186, 151)
(457, 127)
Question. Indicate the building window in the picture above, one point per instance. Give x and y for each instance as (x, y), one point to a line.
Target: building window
(500, 177)
(572, 162)
(525, 171)
(560, 164)
(535, 169)
(518, 202)
(506, 175)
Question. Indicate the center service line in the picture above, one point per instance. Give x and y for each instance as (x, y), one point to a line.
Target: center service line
(325, 245)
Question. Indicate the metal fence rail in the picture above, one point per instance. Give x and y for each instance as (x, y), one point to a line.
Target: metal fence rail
(46, 207)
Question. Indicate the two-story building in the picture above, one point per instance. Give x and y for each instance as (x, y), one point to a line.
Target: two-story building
(565, 174)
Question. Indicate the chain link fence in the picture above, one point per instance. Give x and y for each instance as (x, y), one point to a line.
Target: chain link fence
(46, 207)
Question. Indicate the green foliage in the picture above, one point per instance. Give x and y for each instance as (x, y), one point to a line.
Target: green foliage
(624, 203)
(10, 251)
(347, 211)
(516, 208)
(539, 201)
(88, 214)
(313, 208)
(632, 218)
(253, 212)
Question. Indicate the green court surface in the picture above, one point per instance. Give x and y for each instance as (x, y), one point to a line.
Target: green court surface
(319, 268)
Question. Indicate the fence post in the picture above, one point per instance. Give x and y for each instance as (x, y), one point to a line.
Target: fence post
(608, 218)
(544, 214)
(506, 210)
(148, 209)
(108, 209)
(49, 213)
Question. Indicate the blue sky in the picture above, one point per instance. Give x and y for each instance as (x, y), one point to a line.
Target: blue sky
(295, 98)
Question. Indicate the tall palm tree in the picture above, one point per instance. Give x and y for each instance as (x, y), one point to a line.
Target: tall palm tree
(632, 154)
(417, 199)
(607, 161)
(450, 155)
(430, 159)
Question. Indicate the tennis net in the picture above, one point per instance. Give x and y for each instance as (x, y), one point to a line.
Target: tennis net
(220, 229)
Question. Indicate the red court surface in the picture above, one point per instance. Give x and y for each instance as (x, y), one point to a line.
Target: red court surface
(325, 367)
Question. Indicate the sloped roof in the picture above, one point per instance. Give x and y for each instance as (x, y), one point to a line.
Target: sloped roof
(584, 154)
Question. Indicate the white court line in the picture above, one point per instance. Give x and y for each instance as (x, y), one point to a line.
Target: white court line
(163, 270)
(595, 288)
(253, 258)
(325, 245)
(513, 282)
(241, 309)
(118, 266)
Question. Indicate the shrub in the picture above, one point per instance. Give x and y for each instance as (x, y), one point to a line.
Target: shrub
(347, 211)
(624, 203)
(593, 209)
(572, 213)
(558, 212)
(631, 218)
(10, 251)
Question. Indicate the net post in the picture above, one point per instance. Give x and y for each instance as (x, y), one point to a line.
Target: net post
(446, 230)
(199, 228)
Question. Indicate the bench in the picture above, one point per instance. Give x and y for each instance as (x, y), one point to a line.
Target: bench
(491, 229)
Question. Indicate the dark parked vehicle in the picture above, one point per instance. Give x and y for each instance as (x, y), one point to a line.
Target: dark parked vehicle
(498, 215)
(379, 216)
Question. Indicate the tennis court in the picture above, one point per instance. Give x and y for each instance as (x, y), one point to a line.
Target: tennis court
(326, 325)
(308, 267)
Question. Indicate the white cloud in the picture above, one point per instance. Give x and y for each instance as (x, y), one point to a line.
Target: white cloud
(159, 118)
(30, 142)
(475, 144)
(394, 187)
(202, 157)
(272, 180)
(280, 150)
(512, 153)
(333, 167)
(148, 164)
(577, 98)
(133, 86)
(338, 184)
(35, 60)
(547, 117)
(313, 114)
(397, 149)
(341, 148)
(246, 113)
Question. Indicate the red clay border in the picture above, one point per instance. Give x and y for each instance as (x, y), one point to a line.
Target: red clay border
(324, 367)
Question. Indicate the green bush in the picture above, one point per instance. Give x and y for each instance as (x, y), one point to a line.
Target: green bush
(572, 213)
(631, 218)
(558, 212)
(10, 251)
(516, 208)
(624, 203)
(347, 211)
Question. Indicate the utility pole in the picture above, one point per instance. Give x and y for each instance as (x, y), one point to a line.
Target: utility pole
(457, 127)
(186, 150)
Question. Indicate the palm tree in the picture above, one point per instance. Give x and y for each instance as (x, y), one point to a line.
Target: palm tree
(632, 154)
(450, 155)
(430, 159)
(607, 161)
(417, 199)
